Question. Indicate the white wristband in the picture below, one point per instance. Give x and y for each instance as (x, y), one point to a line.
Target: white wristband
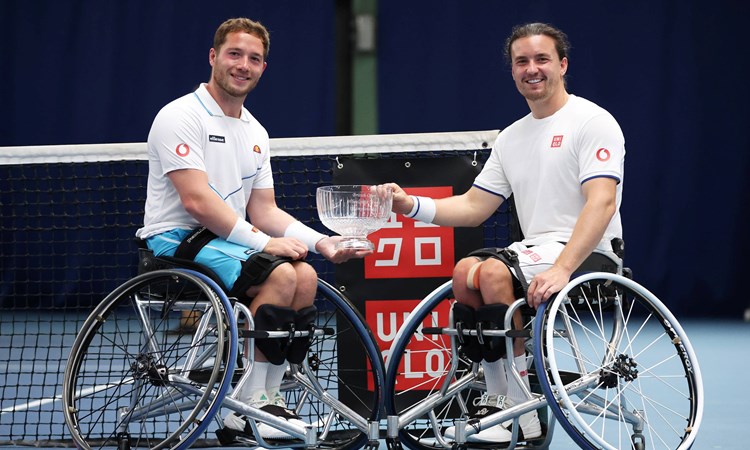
(424, 209)
(245, 234)
(305, 234)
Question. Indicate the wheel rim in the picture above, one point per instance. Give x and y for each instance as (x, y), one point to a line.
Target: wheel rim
(648, 374)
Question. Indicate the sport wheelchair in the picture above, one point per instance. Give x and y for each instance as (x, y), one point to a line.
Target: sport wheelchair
(134, 379)
(609, 360)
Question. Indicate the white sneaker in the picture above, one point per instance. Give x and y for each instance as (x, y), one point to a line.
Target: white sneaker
(277, 406)
(237, 428)
(531, 428)
(491, 404)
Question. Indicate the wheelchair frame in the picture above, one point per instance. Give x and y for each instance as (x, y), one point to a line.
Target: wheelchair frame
(163, 391)
(589, 368)
(588, 343)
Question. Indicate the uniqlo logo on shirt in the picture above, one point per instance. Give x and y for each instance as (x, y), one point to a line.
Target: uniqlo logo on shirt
(557, 141)
(405, 248)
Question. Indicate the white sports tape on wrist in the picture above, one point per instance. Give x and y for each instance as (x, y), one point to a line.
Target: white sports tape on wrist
(245, 234)
(305, 234)
(424, 209)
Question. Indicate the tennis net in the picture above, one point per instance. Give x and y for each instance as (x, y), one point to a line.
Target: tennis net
(69, 216)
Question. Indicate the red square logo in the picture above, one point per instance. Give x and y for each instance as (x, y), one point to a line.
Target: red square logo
(426, 357)
(557, 141)
(405, 248)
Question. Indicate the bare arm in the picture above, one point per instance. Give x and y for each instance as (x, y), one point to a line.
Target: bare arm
(597, 212)
(469, 209)
(268, 217)
(201, 202)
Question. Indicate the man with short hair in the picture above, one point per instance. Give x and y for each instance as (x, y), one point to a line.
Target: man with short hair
(209, 168)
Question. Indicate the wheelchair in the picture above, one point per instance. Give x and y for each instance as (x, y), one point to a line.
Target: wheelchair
(135, 379)
(610, 362)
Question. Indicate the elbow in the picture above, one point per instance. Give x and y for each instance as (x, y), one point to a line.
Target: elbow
(195, 208)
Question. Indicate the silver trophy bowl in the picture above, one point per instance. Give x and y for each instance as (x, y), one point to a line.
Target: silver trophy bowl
(354, 211)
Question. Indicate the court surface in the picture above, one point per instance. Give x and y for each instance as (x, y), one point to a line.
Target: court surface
(723, 349)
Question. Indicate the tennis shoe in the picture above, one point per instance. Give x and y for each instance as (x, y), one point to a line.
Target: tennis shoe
(237, 430)
(487, 405)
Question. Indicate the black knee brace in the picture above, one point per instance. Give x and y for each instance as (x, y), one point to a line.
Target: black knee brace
(493, 318)
(304, 320)
(464, 318)
(274, 318)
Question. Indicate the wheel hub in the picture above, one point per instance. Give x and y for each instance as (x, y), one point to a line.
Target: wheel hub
(144, 367)
(624, 367)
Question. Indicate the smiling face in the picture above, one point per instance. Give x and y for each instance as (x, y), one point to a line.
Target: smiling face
(236, 66)
(538, 71)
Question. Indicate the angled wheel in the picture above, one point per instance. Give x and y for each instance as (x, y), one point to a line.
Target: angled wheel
(338, 388)
(619, 367)
(130, 380)
(428, 383)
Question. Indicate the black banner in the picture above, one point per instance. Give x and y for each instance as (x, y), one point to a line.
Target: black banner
(411, 258)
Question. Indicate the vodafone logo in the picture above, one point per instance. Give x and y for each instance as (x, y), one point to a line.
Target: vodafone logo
(182, 150)
(602, 154)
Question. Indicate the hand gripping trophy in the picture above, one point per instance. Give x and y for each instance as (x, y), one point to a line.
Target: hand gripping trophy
(354, 211)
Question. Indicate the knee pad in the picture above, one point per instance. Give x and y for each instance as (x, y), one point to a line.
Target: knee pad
(493, 318)
(304, 320)
(464, 318)
(274, 318)
(472, 277)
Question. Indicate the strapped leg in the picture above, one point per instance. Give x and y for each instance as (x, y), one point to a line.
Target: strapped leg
(304, 320)
(464, 317)
(493, 318)
(274, 318)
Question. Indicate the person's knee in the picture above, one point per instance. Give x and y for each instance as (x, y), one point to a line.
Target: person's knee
(307, 282)
(461, 270)
(496, 274)
(282, 281)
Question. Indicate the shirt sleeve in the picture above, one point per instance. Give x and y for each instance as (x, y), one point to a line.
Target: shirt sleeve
(601, 149)
(176, 137)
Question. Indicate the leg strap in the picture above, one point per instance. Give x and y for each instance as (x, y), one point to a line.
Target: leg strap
(274, 318)
(254, 271)
(304, 320)
(510, 258)
(464, 318)
(492, 318)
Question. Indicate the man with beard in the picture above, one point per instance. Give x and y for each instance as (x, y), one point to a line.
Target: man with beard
(564, 164)
(209, 168)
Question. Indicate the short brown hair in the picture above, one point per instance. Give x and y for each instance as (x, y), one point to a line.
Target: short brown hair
(534, 29)
(244, 25)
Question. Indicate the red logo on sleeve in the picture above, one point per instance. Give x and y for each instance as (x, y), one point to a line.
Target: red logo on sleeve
(182, 150)
(557, 141)
(602, 154)
(256, 149)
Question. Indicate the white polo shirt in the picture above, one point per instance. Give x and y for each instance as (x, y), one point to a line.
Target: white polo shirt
(192, 132)
(544, 162)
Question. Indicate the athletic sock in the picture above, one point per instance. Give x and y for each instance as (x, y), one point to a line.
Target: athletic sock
(256, 382)
(515, 392)
(274, 377)
(494, 377)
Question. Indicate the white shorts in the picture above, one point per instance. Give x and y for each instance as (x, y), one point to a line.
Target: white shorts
(532, 260)
(536, 259)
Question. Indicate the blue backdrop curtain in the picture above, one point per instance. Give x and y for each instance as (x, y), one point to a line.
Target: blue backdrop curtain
(672, 72)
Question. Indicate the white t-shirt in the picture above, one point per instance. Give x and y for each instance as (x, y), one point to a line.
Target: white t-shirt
(544, 162)
(192, 132)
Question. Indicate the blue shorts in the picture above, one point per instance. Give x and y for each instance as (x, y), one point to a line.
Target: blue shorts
(223, 257)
